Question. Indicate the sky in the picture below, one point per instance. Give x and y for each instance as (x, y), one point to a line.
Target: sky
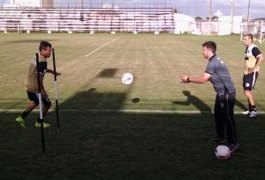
(189, 7)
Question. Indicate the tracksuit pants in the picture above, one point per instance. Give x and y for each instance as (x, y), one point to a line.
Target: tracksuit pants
(224, 117)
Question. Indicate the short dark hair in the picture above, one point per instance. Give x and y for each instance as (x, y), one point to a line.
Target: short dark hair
(249, 36)
(211, 45)
(44, 45)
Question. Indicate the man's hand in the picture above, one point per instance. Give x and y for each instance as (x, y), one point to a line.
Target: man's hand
(251, 70)
(184, 79)
(52, 72)
(58, 74)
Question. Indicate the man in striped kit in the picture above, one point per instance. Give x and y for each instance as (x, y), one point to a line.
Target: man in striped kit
(253, 59)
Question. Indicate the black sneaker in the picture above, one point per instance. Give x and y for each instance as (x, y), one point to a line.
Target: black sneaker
(233, 147)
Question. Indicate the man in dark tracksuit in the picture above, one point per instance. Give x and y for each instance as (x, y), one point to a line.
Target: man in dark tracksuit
(217, 73)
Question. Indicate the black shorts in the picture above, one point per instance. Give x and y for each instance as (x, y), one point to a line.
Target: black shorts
(249, 80)
(34, 97)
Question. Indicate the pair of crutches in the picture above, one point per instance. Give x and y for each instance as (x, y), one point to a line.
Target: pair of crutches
(40, 98)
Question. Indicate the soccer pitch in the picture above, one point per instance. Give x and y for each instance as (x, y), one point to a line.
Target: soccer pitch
(156, 128)
(92, 65)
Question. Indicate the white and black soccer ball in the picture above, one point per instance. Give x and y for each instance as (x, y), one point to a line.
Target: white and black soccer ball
(222, 152)
(127, 78)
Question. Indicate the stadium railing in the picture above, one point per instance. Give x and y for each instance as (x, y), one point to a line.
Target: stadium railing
(87, 20)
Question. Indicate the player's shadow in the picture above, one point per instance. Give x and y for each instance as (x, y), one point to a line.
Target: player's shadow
(193, 100)
(241, 105)
(91, 99)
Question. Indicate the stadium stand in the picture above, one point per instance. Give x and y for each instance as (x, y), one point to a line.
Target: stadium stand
(137, 19)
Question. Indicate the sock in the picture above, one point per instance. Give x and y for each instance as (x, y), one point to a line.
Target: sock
(24, 114)
(252, 108)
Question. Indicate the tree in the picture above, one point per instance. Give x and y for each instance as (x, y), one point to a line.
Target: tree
(175, 10)
(214, 18)
(198, 18)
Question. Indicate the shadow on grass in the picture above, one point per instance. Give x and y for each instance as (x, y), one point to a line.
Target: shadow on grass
(115, 145)
(241, 105)
(91, 99)
(200, 105)
(194, 100)
(107, 73)
(105, 145)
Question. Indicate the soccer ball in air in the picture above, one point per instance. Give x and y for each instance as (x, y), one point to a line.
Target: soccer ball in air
(127, 78)
(222, 152)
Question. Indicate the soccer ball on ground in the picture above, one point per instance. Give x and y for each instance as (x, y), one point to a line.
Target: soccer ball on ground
(222, 152)
(127, 78)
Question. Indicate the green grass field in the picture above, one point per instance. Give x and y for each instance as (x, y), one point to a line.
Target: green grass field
(104, 133)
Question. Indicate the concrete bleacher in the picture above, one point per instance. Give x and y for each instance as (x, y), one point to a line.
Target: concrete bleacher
(159, 19)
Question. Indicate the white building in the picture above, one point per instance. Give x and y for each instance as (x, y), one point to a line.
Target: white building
(223, 26)
(227, 26)
(184, 24)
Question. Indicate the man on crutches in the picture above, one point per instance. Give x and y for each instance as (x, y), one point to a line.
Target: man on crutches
(31, 86)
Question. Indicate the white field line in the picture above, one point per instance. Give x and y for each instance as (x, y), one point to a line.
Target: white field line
(99, 48)
(136, 111)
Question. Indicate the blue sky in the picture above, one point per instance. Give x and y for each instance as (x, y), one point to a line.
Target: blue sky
(189, 7)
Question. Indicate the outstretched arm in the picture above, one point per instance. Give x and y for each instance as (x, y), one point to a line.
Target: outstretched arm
(199, 80)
